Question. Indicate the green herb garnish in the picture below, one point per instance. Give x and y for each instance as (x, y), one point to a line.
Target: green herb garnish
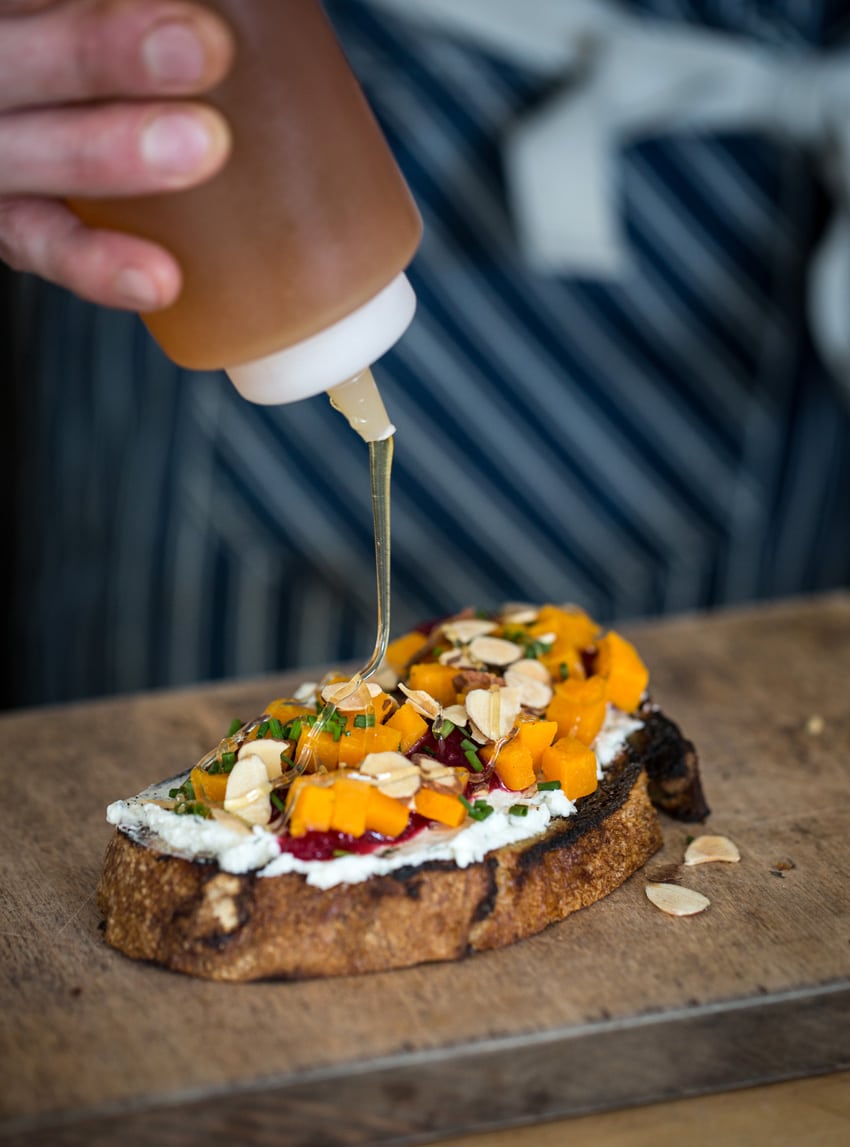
(341, 852)
(276, 729)
(546, 786)
(474, 761)
(480, 810)
(277, 802)
(446, 729)
(563, 670)
(228, 760)
(263, 729)
(185, 792)
(235, 726)
(518, 810)
(192, 808)
(364, 721)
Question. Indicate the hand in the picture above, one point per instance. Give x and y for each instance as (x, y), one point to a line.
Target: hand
(87, 108)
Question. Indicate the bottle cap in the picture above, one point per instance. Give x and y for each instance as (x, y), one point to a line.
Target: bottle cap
(333, 355)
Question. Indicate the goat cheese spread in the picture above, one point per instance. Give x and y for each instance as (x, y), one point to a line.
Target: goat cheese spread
(254, 849)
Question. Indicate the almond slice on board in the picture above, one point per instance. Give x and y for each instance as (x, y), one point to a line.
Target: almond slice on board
(675, 900)
(705, 849)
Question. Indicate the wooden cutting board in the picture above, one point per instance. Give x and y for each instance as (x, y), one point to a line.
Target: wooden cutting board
(618, 1005)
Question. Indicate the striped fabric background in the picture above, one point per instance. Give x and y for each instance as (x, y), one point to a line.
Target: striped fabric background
(667, 443)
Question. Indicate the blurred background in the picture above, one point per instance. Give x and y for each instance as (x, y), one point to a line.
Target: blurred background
(665, 439)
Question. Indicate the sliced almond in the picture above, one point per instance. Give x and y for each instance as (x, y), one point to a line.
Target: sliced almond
(386, 677)
(424, 704)
(705, 849)
(530, 667)
(675, 900)
(458, 658)
(439, 774)
(464, 629)
(494, 710)
(228, 820)
(393, 773)
(269, 753)
(533, 692)
(494, 650)
(350, 696)
(518, 613)
(815, 725)
(247, 792)
(306, 692)
(456, 714)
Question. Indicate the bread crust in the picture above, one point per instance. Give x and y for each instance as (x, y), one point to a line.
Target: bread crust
(192, 917)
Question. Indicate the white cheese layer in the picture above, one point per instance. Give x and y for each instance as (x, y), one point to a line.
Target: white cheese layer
(259, 851)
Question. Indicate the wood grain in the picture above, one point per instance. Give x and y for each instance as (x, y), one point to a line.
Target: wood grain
(618, 1005)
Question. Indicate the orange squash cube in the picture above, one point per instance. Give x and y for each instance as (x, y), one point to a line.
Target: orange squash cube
(620, 664)
(314, 807)
(445, 808)
(515, 765)
(573, 764)
(357, 743)
(386, 815)
(578, 707)
(408, 723)
(351, 799)
(537, 736)
(435, 679)
(209, 787)
(323, 749)
(284, 709)
(403, 649)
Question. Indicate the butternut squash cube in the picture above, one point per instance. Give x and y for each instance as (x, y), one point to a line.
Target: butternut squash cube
(351, 799)
(209, 787)
(435, 679)
(537, 736)
(573, 764)
(314, 807)
(578, 707)
(403, 649)
(515, 766)
(620, 664)
(354, 745)
(445, 808)
(386, 815)
(408, 723)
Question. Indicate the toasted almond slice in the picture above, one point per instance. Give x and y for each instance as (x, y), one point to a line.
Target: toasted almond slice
(815, 725)
(269, 753)
(306, 692)
(424, 704)
(247, 792)
(464, 629)
(675, 900)
(494, 650)
(456, 657)
(456, 714)
(533, 692)
(531, 667)
(228, 820)
(704, 849)
(517, 613)
(494, 710)
(393, 773)
(350, 696)
(386, 677)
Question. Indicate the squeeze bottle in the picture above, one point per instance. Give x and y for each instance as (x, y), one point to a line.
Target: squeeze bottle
(293, 255)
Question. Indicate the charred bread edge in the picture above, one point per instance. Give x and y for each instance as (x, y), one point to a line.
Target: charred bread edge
(192, 917)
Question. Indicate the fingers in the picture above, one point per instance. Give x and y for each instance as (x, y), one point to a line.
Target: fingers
(86, 49)
(110, 149)
(106, 267)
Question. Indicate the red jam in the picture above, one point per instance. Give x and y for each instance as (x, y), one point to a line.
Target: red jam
(327, 845)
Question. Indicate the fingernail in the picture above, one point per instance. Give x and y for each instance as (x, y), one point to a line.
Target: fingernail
(137, 289)
(176, 143)
(173, 54)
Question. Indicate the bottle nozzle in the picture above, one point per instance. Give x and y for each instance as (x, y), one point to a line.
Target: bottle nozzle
(360, 402)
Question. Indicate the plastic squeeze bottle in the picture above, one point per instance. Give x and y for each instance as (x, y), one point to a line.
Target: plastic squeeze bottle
(293, 255)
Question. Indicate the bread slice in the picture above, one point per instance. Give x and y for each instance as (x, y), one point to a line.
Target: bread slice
(193, 917)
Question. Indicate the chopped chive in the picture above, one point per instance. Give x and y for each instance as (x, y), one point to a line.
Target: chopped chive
(284, 760)
(341, 852)
(215, 768)
(437, 650)
(263, 729)
(276, 729)
(228, 760)
(235, 726)
(467, 744)
(563, 670)
(545, 786)
(364, 721)
(277, 802)
(474, 761)
(467, 804)
(478, 811)
(185, 792)
(446, 729)
(293, 731)
(337, 732)
(518, 810)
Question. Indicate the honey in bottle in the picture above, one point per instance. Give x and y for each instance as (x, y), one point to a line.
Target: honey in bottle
(293, 255)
